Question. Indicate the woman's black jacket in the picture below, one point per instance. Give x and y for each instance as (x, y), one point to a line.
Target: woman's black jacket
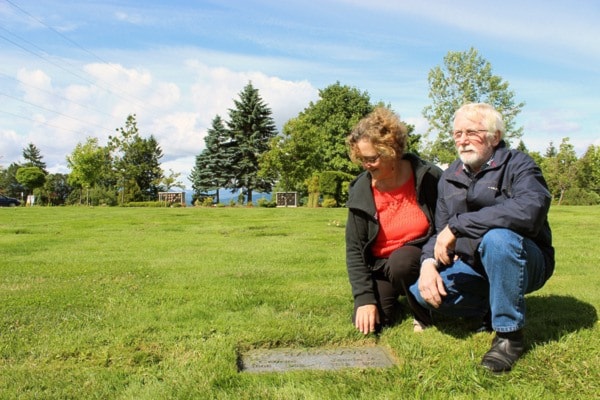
(363, 224)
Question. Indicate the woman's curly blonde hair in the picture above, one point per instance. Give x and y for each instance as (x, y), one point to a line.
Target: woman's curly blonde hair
(384, 130)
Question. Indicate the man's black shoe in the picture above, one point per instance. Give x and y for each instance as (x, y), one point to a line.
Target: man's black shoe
(506, 348)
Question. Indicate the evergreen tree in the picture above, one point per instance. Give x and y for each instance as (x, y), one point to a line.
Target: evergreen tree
(251, 128)
(33, 158)
(550, 151)
(560, 170)
(147, 154)
(212, 169)
(521, 147)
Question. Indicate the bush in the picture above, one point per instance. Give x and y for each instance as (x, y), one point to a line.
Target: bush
(313, 191)
(580, 197)
(334, 185)
(145, 204)
(263, 202)
(329, 203)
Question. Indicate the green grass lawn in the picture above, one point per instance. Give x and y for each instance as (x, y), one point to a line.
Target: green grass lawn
(122, 303)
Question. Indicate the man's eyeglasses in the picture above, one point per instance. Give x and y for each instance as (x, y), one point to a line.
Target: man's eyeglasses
(369, 160)
(469, 133)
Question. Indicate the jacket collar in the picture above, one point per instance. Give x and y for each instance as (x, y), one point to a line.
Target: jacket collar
(460, 172)
(360, 195)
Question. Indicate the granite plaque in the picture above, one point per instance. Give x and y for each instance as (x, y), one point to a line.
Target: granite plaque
(281, 360)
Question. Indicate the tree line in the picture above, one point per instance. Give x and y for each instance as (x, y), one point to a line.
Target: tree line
(246, 154)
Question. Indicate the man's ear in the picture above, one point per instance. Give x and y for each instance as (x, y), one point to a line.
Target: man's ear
(497, 138)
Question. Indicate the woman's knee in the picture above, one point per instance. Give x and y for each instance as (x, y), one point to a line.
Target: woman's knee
(404, 263)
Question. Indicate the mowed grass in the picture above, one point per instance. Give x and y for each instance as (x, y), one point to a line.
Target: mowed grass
(121, 303)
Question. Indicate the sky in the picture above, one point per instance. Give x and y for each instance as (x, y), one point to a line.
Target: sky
(71, 70)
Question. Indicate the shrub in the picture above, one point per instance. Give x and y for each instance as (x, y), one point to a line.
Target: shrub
(145, 204)
(580, 197)
(263, 202)
(313, 191)
(329, 203)
(334, 185)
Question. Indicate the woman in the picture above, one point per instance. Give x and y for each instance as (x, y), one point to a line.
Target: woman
(391, 207)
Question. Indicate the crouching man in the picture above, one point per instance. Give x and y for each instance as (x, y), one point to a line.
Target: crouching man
(493, 243)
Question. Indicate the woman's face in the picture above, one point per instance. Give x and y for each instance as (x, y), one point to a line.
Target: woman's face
(380, 167)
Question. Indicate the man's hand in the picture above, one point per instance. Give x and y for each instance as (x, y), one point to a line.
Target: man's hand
(431, 285)
(444, 246)
(366, 318)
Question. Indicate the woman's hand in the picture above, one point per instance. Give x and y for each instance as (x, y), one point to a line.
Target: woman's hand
(367, 317)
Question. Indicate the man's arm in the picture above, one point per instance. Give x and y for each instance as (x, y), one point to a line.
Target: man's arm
(524, 209)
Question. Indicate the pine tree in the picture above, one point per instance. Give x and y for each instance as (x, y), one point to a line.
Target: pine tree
(251, 127)
(212, 170)
(33, 158)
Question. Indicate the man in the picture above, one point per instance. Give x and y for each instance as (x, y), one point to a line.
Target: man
(493, 242)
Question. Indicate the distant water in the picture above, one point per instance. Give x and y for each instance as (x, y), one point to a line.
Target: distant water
(225, 197)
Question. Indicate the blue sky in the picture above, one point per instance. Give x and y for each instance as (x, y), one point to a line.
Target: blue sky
(75, 69)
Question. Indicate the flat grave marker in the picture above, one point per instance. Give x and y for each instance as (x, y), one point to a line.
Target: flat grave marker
(282, 360)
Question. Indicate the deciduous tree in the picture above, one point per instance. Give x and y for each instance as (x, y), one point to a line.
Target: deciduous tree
(465, 77)
(136, 162)
(31, 177)
(89, 163)
(315, 140)
(8, 181)
(588, 169)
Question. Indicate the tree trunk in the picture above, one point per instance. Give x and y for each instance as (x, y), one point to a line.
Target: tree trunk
(562, 192)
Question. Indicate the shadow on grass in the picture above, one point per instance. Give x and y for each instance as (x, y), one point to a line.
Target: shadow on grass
(551, 317)
(548, 319)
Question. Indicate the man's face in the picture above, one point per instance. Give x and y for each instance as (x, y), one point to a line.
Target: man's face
(473, 142)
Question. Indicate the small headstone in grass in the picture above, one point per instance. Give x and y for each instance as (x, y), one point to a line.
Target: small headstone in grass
(281, 360)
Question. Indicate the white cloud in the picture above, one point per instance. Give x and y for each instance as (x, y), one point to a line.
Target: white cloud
(10, 146)
(215, 89)
(178, 113)
(420, 123)
(135, 19)
(178, 134)
(35, 84)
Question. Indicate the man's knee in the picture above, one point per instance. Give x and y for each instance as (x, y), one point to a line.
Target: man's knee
(498, 239)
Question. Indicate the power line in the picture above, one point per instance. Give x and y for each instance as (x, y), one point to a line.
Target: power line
(39, 122)
(57, 32)
(123, 96)
(56, 95)
(53, 111)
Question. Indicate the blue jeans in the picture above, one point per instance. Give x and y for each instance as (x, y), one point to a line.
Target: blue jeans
(513, 265)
